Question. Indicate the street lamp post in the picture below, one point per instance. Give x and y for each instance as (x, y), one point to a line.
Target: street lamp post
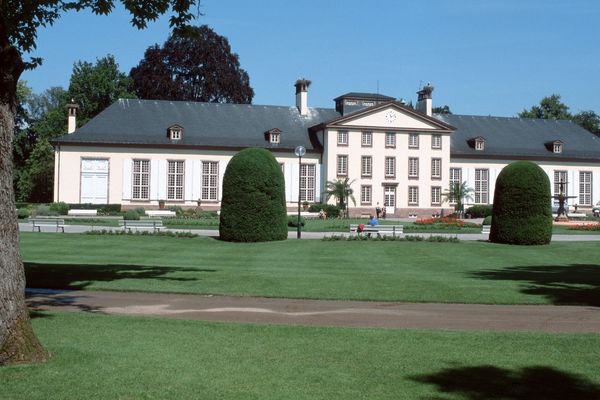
(299, 151)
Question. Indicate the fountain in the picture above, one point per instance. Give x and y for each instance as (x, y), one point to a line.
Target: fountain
(561, 213)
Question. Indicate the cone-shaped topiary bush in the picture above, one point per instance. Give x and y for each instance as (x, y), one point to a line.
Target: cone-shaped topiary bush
(522, 212)
(253, 206)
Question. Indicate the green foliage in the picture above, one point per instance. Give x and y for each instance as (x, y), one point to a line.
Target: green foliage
(588, 120)
(22, 213)
(61, 208)
(44, 210)
(387, 238)
(96, 86)
(457, 193)
(550, 108)
(253, 206)
(292, 221)
(131, 215)
(487, 220)
(522, 207)
(441, 110)
(103, 209)
(341, 190)
(479, 211)
(198, 66)
(142, 233)
(332, 210)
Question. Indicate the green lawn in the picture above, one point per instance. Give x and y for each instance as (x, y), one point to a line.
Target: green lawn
(108, 357)
(467, 272)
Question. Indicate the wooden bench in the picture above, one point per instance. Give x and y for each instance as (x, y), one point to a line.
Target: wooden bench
(82, 213)
(144, 224)
(379, 229)
(485, 229)
(52, 222)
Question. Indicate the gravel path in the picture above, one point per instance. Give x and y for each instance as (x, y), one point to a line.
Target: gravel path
(356, 314)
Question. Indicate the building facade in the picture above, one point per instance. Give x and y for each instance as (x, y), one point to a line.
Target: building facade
(138, 152)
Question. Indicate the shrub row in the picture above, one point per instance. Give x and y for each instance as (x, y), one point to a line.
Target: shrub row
(292, 220)
(386, 238)
(142, 233)
(331, 210)
(480, 211)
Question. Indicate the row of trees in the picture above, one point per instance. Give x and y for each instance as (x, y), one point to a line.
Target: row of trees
(551, 107)
(195, 66)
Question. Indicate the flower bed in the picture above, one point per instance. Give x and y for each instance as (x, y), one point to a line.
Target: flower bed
(585, 227)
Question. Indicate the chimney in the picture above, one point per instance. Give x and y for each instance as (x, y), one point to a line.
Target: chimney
(302, 95)
(71, 117)
(424, 100)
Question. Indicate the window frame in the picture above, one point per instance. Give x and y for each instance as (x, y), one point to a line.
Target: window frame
(366, 195)
(436, 137)
(140, 186)
(308, 179)
(452, 180)
(390, 144)
(392, 175)
(175, 175)
(585, 196)
(480, 193)
(434, 161)
(410, 168)
(366, 171)
(436, 195)
(368, 135)
(342, 166)
(411, 201)
(342, 135)
(413, 144)
(210, 177)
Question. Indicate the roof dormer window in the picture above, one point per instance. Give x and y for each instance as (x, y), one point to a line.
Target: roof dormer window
(478, 143)
(555, 146)
(273, 136)
(175, 132)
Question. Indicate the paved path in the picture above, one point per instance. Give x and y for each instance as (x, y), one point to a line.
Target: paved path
(26, 227)
(323, 312)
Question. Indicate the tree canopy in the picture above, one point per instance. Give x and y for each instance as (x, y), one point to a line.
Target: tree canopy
(96, 86)
(551, 107)
(195, 66)
(19, 23)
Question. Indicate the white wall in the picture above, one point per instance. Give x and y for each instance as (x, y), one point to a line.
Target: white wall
(68, 172)
(468, 167)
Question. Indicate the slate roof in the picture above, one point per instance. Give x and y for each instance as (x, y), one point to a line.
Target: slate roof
(145, 122)
(369, 96)
(520, 138)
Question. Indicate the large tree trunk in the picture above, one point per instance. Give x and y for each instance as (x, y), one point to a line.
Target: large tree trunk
(18, 343)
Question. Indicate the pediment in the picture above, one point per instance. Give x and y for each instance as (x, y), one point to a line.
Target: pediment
(391, 116)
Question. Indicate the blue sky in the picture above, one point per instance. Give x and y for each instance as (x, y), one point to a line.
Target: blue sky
(482, 57)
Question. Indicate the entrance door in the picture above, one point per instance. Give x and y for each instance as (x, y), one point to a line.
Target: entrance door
(389, 200)
(94, 181)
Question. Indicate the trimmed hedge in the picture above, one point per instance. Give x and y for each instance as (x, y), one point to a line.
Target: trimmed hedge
(332, 210)
(253, 205)
(479, 211)
(522, 211)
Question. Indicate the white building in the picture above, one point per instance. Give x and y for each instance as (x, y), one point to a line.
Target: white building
(138, 152)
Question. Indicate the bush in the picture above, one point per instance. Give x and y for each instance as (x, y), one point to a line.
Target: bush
(487, 220)
(253, 205)
(60, 208)
(292, 220)
(22, 213)
(44, 211)
(331, 210)
(131, 215)
(522, 208)
(21, 204)
(479, 211)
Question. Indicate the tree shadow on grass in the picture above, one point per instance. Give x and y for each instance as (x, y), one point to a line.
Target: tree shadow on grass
(574, 284)
(489, 382)
(79, 276)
